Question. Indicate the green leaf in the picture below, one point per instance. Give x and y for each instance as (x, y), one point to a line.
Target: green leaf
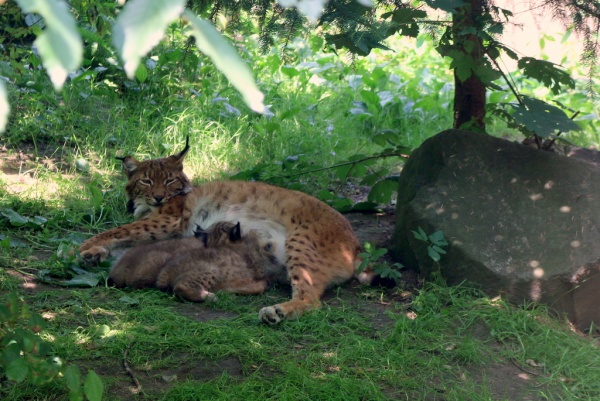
(462, 64)
(289, 113)
(140, 26)
(96, 196)
(438, 238)
(15, 218)
(93, 386)
(379, 253)
(141, 74)
(342, 171)
(59, 44)
(128, 300)
(422, 233)
(405, 22)
(438, 249)
(542, 118)
(290, 72)
(82, 278)
(4, 107)
(433, 254)
(72, 377)
(382, 191)
(17, 370)
(342, 205)
(370, 97)
(36, 222)
(226, 59)
(546, 72)
(365, 207)
(358, 43)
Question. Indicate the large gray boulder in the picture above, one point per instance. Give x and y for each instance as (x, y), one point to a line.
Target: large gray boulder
(520, 223)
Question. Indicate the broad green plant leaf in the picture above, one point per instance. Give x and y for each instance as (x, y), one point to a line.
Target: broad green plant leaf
(405, 22)
(140, 26)
(546, 72)
(17, 370)
(382, 191)
(15, 218)
(93, 386)
(433, 254)
(438, 238)
(72, 378)
(226, 59)
(542, 118)
(4, 107)
(59, 44)
(360, 43)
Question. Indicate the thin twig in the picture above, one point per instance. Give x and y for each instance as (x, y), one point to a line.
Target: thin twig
(525, 370)
(352, 163)
(137, 383)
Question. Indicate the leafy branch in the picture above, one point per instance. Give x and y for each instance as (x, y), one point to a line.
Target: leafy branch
(25, 356)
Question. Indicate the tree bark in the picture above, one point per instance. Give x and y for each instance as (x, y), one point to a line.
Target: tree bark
(469, 95)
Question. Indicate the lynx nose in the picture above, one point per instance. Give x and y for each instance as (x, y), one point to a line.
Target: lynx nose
(159, 199)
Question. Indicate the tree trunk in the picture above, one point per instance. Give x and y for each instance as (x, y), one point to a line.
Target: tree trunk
(469, 95)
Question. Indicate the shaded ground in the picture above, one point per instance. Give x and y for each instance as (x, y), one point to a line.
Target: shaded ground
(504, 379)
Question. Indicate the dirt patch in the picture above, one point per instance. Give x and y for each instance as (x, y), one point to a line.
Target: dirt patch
(202, 312)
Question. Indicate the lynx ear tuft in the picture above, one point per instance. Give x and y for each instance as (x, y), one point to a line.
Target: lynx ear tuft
(130, 164)
(178, 158)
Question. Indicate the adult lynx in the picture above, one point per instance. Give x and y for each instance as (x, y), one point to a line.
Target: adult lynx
(314, 242)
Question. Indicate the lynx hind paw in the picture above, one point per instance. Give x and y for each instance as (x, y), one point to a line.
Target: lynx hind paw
(95, 254)
(272, 314)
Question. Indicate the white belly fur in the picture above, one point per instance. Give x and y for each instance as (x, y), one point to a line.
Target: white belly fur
(205, 216)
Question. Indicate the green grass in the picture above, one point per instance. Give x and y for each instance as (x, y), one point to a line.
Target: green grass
(363, 344)
(434, 348)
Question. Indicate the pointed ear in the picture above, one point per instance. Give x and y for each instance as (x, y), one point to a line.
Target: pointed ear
(130, 164)
(235, 234)
(178, 158)
(199, 231)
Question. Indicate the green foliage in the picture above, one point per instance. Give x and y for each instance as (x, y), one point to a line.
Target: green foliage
(550, 74)
(59, 44)
(435, 243)
(541, 118)
(371, 258)
(25, 356)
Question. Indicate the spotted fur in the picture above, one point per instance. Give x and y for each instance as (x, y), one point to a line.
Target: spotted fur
(138, 267)
(313, 243)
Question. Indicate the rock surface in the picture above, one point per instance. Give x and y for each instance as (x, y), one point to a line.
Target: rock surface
(520, 223)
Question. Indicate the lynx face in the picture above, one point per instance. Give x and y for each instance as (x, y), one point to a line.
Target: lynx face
(152, 183)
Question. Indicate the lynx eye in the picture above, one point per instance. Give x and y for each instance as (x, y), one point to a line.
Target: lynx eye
(170, 181)
(145, 182)
(268, 247)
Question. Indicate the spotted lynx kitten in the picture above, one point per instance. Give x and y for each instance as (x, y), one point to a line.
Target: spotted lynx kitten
(225, 261)
(314, 242)
(138, 267)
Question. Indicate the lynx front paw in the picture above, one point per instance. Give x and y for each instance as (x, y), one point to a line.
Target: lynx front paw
(272, 314)
(95, 254)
